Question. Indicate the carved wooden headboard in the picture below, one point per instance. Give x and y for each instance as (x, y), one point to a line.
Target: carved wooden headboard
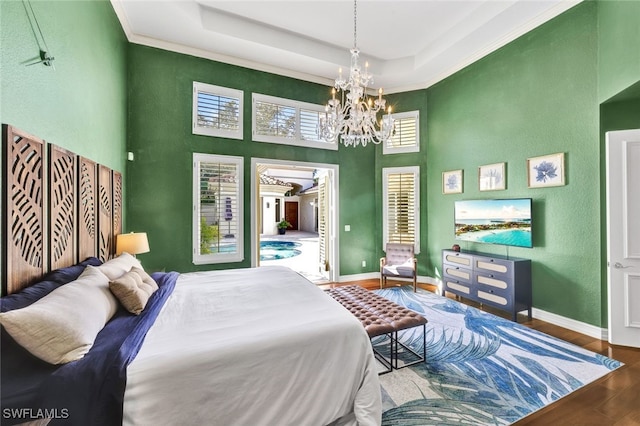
(58, 208)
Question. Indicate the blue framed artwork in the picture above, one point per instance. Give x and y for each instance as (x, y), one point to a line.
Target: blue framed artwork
(546, 170)
(452, 182)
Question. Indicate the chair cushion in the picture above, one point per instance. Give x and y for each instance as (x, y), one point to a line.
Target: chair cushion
(398, 254)
(404, 270)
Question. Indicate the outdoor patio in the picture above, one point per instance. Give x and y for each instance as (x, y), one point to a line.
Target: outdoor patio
(306, 263)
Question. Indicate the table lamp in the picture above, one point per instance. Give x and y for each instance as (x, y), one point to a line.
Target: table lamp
(133, 243)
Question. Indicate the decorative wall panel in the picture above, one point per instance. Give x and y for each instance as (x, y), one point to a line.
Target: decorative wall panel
(62, 207)
(117, 204)
(24, 250)
(105, 214)
(87, 208)
(59, 208)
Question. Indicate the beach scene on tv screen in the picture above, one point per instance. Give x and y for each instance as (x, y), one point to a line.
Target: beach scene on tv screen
(505, 222)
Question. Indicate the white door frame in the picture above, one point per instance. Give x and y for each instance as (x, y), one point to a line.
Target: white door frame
(623, 237)
(334, 252)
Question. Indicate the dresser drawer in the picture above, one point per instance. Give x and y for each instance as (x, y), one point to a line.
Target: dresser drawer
(457, 258)
(493, 266)
(491, 298)
(457, 286)
(495, 281)
(457, 272)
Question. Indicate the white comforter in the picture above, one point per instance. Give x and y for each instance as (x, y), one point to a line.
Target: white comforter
(260, 346)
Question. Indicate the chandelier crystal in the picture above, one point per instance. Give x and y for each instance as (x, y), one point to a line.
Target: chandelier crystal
(351, 115)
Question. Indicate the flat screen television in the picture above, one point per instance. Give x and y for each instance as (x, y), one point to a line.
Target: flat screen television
(506, 222)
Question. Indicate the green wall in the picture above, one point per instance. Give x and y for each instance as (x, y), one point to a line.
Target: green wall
(403, 102)
(81, 104)
(618, 48)
(535, 96)
(160, 178)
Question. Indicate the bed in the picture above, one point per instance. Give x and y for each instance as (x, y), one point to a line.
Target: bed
(244, 346)
(256, 346)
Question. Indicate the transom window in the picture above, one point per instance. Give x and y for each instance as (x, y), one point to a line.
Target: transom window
(289, 122)
(406, 136)
(217, 111)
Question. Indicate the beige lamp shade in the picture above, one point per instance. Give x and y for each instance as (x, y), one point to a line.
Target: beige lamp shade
(133, 243)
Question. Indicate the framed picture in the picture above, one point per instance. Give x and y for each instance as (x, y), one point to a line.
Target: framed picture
(492, 177)
(452, 182)
(546, 170)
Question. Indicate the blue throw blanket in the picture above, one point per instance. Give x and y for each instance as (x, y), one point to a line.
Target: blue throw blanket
(90, 391)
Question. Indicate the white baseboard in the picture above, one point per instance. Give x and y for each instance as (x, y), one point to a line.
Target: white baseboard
(551, 318)
(571, 324)
(376, 276)
(359, 277)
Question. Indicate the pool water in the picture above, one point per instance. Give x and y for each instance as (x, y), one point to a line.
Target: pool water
(274, 250)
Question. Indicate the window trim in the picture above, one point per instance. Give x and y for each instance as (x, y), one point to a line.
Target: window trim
(415, 170)
(217, 91)
(200, 259)
(386, 150)
(298, 105)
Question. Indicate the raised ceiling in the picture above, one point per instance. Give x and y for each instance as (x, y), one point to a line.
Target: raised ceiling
(408, 44)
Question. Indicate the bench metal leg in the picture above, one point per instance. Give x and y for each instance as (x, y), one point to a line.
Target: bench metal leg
(382, 359)
(395, 354)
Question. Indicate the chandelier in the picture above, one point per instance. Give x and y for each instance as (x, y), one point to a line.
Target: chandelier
(352, 116)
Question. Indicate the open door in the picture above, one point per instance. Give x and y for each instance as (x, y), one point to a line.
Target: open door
(324, 228)
(623, 236)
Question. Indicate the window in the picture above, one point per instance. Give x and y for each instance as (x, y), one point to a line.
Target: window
(406, 136)
(289, 122)
(217, 111)
(401, 206)
(217, 209)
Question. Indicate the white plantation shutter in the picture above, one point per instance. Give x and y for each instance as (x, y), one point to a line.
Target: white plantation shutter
(218, 213)
(309, 121)
(401, 216)
(288, 122)
(217, 111)
(323, 215)
(275, 120)
(406, 137)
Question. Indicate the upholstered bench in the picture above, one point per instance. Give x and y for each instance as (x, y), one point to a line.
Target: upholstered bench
(380, 316)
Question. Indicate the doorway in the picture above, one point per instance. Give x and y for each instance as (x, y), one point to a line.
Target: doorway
(310, 205)
(291, 214)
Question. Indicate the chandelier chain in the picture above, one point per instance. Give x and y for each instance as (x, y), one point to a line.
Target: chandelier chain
(355, 24)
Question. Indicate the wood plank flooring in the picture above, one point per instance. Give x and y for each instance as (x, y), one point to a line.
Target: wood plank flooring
(613, 400)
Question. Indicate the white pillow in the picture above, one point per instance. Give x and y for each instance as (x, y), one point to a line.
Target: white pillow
(62, 326)
(118, 266)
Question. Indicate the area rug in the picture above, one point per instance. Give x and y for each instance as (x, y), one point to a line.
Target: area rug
(480, 368)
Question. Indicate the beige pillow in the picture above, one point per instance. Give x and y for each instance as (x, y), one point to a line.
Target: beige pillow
(133, 289)
(62, 326)
(118, 266)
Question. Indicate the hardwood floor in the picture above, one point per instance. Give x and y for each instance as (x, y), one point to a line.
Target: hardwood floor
(611, 400)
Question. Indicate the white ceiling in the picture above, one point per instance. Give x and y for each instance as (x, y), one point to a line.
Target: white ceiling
(408, 44)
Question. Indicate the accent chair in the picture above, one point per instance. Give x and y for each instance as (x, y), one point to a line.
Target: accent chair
(399, 262)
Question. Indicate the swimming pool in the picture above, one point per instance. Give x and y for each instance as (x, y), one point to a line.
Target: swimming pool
(274, 250)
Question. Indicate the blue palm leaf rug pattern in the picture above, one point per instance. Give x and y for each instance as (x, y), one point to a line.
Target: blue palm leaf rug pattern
(480, 368)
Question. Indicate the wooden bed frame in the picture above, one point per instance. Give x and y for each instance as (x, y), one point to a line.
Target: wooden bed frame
(58, 209)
